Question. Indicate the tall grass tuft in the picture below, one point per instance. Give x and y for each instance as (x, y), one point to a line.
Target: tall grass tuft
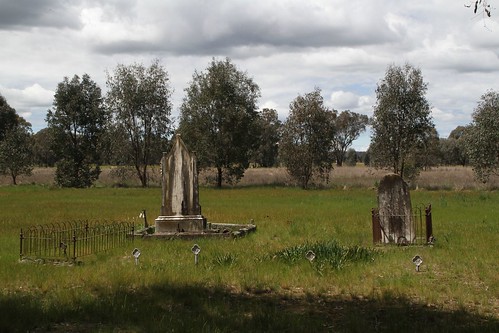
(329, 253)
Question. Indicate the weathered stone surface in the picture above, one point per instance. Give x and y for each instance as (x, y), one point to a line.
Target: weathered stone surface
(395, 210)
(180, 209)
(180, 181)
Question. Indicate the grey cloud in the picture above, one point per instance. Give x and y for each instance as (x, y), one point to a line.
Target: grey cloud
(194, 27)
(22, 14)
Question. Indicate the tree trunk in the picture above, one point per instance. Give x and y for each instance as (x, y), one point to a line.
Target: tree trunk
(142, 175)
(219, 177)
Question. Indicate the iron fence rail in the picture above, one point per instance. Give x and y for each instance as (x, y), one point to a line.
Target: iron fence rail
(70, 240)
(421, 230)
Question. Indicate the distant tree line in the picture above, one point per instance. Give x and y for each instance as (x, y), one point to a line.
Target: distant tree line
(220, 121)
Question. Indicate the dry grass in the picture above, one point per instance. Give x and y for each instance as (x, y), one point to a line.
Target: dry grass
(440, 178)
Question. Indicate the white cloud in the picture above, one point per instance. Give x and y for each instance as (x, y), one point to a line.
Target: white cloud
(31, 96)
(342, 47)
(346, 100)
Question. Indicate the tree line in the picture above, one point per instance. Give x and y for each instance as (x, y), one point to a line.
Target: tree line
(220, 121)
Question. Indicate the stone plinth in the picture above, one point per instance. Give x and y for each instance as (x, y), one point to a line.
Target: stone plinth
(184, 223)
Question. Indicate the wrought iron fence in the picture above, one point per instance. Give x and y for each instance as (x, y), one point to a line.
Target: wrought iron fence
(420, 230)
(70, 240)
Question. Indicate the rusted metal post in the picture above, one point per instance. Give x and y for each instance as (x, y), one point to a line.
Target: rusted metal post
(21, 238)
(376, 226)
(144, 215)
(74, 246)
(429, 226)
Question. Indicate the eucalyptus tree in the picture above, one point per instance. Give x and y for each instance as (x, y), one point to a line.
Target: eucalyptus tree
(16, 154)
(139, 99)
(219, 119)
(306, 146)
(349, 125)
(402, 123)
(77, 122)
(269, 129)
(482, 137)
(43, 154)
(8, 117)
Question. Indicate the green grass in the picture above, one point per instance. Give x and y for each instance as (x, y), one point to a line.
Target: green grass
(243, 284)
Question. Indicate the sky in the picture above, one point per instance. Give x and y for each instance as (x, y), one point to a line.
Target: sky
(288, 47)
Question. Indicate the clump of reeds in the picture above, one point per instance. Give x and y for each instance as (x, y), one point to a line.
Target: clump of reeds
(326, 254)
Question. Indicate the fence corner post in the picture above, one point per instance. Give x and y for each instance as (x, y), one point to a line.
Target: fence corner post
(375, 225)
(429, 223)
(21, 238)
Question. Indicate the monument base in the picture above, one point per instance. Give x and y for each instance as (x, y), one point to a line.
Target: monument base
(182, 223)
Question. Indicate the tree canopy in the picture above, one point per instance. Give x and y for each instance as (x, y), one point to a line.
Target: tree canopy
(77, 121)
(307, 138)
(349, 125)
(15, 142)
(139, 100)
(218, 119)
(482, 137)
(16, 154)
(8, 117)
(269, 133)
(401, 124)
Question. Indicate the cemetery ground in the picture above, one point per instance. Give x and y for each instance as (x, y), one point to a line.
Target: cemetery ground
(247, 284)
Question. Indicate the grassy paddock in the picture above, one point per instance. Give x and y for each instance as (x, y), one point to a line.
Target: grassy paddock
(243, 285)
(439, 178)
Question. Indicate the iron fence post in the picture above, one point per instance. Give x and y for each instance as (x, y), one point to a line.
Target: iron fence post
(376, 226)
(429, 226)
(74, 246)
(21, 238)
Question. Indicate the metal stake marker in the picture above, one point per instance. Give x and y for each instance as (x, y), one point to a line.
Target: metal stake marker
(196, 249)
(136, 255)
(417, 260)
(310, 255)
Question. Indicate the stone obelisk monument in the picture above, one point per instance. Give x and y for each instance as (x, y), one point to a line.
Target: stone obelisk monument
(180, 209)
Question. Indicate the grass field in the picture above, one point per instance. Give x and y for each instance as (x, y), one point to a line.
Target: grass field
(438, 178)
(243, 284)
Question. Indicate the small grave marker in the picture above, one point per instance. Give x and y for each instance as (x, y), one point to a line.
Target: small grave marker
(136, 255)
(196, 249)
(417, 260)
(310, 255)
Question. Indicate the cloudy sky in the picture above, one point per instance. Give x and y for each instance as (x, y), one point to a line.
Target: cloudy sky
(287, 46)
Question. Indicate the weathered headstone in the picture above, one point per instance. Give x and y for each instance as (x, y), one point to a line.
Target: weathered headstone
(395, 210)
(180, 209)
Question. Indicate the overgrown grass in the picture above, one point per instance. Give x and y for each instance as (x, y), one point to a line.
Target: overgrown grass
(237, 286)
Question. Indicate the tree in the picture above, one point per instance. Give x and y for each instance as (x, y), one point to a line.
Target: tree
(307, 136)
(43, 155)
(480, 6)
(8, 117)
(349, 125)
(16, 151)
(219, 119)
(269, 127)
(401, 121)
(140, 101)
(427, 153)
(482, 137)
(77, 122)
(452, 149)
(351, 157)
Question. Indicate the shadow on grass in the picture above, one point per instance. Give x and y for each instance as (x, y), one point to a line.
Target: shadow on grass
(200, 309)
